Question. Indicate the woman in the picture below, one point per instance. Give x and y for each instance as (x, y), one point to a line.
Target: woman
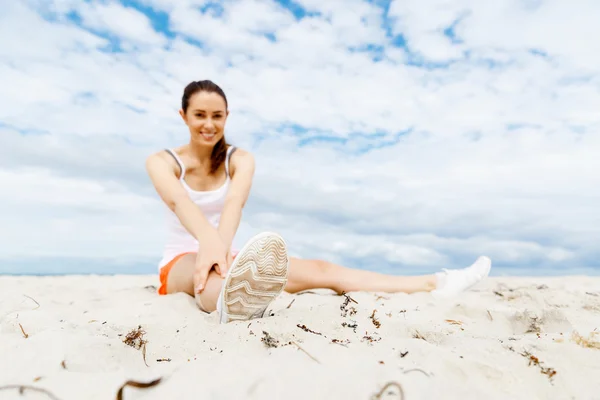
(205, 184)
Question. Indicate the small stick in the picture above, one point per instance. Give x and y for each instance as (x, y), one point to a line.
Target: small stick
(23, 330)
(349, 298)
(135, 384)
(144, 355)
(22, 388)
(306, 352)
(38, 304)
(387, 385)
(291, 303)
(490, 315)
(416, 370)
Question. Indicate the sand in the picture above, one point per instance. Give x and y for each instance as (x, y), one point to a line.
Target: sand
(508, 338)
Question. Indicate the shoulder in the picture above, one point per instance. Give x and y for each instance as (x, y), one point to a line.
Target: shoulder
(162, 159)
(242, 160)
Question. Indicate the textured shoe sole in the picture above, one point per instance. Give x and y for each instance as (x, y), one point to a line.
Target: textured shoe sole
(257, 276)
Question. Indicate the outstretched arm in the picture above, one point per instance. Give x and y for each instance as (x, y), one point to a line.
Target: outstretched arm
(242, 173)
(162, 170)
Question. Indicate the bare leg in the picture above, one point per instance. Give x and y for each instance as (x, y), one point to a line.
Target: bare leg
(180, 279)
(313, 274)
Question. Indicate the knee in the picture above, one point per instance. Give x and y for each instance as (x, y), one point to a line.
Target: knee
(323, 267)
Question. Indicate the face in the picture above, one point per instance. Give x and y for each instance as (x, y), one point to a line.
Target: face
(205, 117)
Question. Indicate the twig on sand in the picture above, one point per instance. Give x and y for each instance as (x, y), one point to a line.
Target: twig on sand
(289, 305)
(140, 385)
(490, 315)
(22, 388)
(349, 298)
(144, 355)
(305, 352)
(416, 370)
(305, 329)
(31, 298)
(386, 387)
(25, 335)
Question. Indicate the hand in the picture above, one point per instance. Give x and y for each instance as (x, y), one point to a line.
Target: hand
(212, 254)
(222, 271)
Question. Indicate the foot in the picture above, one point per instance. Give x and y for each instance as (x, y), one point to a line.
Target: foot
(257, 276)
(455, 281)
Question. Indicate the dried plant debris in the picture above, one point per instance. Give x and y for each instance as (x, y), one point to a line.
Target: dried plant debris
(348, 309)
(270, 341)
(592, 307)
(533, 360)
(454, 322)
(135, 339)
(305, 329)
(588, 342)
(139, 385)
(23, 388)
(163, 360)
(403, 354)
(289, 305)
(370, 338)
(344, 342)
(386, 390)
(375, 320)
(353, 325)
(534, 325)
(417, 335)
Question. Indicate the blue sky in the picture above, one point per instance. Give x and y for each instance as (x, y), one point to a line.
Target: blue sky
(397, 136)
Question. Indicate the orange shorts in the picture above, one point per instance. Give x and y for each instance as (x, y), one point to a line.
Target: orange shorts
(164, 271)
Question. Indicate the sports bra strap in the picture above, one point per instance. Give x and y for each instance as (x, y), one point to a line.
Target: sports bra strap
(176, 157)
(230, 151)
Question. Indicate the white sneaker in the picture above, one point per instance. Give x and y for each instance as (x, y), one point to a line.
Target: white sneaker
(459, 280)
(256, 277)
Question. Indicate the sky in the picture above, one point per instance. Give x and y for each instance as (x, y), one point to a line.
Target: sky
(395, 136)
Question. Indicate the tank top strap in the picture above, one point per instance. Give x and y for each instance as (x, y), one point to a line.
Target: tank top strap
(230, 151)
(179, 162)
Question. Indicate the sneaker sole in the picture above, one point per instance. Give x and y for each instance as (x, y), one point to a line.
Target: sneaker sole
(256, 277)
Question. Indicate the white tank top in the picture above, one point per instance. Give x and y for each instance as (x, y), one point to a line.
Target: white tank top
(210, 202)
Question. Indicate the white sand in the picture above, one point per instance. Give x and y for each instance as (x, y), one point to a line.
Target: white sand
(82, 320)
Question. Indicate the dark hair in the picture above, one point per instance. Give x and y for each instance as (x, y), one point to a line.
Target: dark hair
(219, 152)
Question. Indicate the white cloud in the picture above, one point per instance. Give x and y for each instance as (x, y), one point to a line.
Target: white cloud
(124, 22)
(499, 158)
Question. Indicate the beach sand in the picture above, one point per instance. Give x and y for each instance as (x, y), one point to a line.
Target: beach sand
(508, 338)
